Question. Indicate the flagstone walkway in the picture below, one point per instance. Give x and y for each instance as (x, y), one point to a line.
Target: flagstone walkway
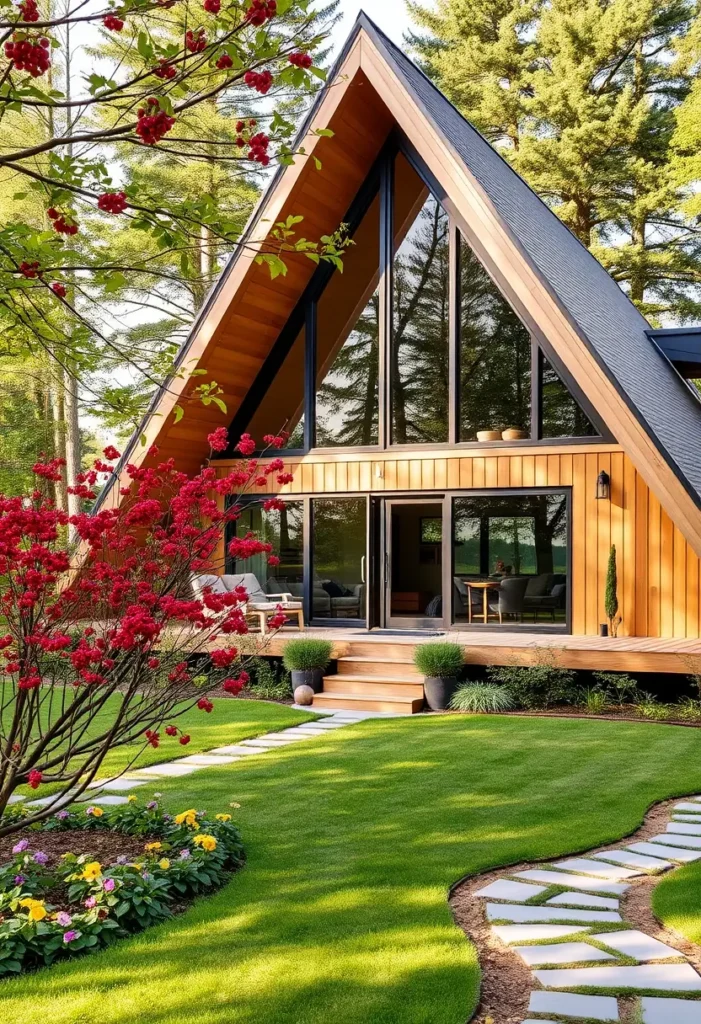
(565, 922)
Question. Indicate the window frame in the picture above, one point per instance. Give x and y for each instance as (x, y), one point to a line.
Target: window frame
(304, 316)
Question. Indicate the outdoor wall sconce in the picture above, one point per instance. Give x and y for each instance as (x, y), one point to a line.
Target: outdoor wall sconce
(603, 486)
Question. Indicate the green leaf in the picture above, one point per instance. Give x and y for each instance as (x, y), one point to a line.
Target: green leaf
(178, 413)
(219, 403)
(318, 73)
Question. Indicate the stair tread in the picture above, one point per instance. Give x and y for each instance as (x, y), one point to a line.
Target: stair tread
(374, 679)
(398, 698)
(381, 659)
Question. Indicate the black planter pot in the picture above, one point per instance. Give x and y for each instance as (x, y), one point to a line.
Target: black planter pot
(313, 677)
(438, 690)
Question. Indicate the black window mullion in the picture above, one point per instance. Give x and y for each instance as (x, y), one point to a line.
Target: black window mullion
(307, 567)
(310, 378)
(385, 325)
(454, 335)
(536, 386)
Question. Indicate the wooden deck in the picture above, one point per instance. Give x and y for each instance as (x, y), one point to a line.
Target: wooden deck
(619, 654)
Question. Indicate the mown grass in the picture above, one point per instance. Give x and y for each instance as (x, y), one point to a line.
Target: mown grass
(676, 901)
(353, 840)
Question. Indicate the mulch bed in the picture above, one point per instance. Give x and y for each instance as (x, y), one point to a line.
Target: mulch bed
(102, 845)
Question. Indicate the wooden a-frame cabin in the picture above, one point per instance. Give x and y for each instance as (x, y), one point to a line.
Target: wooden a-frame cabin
(476, 412)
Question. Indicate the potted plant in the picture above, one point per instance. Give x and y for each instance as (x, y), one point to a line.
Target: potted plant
(442, 665)
(611, 596)
(306, 659)
(489, 435)
(514, 434)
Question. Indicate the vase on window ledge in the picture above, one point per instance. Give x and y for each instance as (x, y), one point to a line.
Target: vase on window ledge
(488, 435)
(514, 434)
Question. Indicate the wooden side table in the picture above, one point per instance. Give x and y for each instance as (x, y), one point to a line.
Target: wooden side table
(484, 586)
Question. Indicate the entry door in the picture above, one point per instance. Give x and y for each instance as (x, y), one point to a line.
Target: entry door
(414, 563)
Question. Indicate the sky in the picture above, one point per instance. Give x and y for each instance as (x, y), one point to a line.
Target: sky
(390, 15)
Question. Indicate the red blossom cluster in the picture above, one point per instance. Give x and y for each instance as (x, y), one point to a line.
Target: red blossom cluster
(300, 60)
(234, 686)
(259, 149)
(205, 705)
(152, 122)
(34, 779)
(153, 738)
(212, 6)
(113, 202)
(59, 288)
(246, 445)
(219, 439)
(113, 23)
(29, 10)
(61, 223)
(225, 62)
(259, 80)
(165, 69)
(276, 440)
(195, 42)
(29, 54)
(111, 453)
(30, 270)
(260, 11)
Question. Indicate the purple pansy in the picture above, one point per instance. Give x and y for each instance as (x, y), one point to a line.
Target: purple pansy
(20, 879)
(40, 857)
(185, 855)
(64, 919)
(108, 884)
(61, 815)
(21, 846)
(70, 936)
(90, 902)
(122, 859)
(152, 805)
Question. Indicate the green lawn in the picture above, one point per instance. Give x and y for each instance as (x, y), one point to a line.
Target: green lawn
(230, 722)
(340, 916)
(676, 901)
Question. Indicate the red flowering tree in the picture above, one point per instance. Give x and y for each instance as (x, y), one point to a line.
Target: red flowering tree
(105, 646)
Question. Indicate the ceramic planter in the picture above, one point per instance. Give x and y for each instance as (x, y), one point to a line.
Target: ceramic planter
(313, 677)
(488, 435)
(438, 690)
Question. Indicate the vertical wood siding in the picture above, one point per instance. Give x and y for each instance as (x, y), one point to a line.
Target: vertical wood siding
(659, 574)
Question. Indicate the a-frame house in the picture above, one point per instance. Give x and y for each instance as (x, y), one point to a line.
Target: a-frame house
(476, 412)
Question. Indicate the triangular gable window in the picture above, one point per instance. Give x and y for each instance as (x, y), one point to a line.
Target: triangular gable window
(412, 344)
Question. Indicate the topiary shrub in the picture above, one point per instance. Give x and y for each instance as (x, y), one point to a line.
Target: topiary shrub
(482, 698)
(539, 686)
(442, 660)
(307, 654)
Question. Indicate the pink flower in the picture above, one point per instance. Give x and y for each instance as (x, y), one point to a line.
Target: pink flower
(219, 439)
(64, 919)
(90, 902)
(108, 884)
(70, 936)
(21, 846)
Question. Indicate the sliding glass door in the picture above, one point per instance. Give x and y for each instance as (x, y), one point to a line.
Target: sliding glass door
(339, 535)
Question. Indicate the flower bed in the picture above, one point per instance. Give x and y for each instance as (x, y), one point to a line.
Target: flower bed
(54, 907)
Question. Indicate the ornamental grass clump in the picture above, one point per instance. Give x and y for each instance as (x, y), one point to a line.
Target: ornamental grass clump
(307, 654)
(482, 698)
(442, 660)
(108, 629)
(183, 857)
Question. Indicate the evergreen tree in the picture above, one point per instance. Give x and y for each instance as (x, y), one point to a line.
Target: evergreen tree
(581, 96)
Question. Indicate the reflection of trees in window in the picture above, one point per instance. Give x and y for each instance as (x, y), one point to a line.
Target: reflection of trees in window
(347, 400)
(561, 413)
(526, 533)
(419, 365)
(280, 527)
(282, 408)
(495, 355)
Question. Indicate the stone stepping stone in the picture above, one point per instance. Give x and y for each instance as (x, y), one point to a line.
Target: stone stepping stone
(237, 749)
(673, 852)
(669, 1011)
(638, 945)
(503, 889)
(566, 1005)
(118, 785)
(634, 860)
(207, 759)
(172, 769)
(68, 798)
(688, 817)
(573, 881)
(683, 829)
(110, 801)
(582, 899)
(265, 743)
(666, 839)
(591, 867)
(15, 799)
(561, 953)
(512, 934)
(686, 806)
(521, 914)
(665, 977)
(283, 737)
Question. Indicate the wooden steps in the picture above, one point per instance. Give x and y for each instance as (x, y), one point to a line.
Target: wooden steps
(366, 683)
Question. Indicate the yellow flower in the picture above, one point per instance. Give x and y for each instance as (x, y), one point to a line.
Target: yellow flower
(37, 910)
(153, 846)
(223, 817)
(92, 871)
(164, 863)
(207, 843)
(132, 799)
(187, 818)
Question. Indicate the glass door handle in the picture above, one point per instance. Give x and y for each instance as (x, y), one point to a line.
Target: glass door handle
(362, 569)
(386, 568)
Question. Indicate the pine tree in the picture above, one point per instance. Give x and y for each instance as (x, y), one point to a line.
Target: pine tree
(611, 596)
(580, 96)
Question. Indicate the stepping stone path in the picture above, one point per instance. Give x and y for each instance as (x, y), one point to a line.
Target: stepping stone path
(106, 791)
(553, 931)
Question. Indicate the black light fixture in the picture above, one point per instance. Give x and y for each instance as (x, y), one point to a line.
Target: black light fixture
(603, 486)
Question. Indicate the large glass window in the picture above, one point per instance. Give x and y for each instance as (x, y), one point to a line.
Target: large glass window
(347, 377)
(561, 414)
(283, 529)
(510, 559)
(282, 409)
(339, 529)
(419, 368)
(495, 356)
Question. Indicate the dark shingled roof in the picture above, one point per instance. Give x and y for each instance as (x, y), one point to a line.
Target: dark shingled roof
(605, 318)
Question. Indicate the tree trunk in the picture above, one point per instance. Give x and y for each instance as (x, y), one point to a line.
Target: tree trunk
(72, 433)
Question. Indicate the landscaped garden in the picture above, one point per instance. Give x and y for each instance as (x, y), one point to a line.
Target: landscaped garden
(352, 842)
